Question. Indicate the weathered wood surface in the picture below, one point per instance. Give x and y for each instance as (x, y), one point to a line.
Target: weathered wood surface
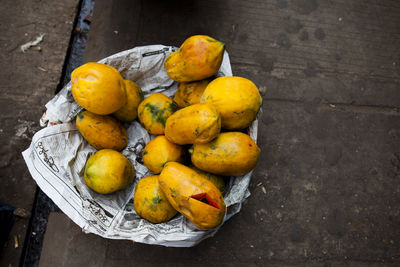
(301, 50)
(27, 81)
(326, 188)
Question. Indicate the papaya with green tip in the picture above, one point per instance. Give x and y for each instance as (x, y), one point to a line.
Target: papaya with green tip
(195, 124)
(107, 171)
(194, 196)
(230, 154)
(237, 99)
(198, 58)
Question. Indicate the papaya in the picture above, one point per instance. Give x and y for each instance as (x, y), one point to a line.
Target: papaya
(230, 154)
(150, 201)
(98, 88)
(128, 112)
(154, 111)
(159, 151)
(101, 131)
(190, 93)
(199, 123)
(217, 180)
(199, 57)
(237, 100)
(107, 171)
(194, 196)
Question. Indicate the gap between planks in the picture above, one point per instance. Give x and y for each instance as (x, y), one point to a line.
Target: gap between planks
(372, 109)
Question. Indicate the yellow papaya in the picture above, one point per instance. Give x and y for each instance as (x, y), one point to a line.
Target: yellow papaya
(154, 111)
(159, 151)
(237, 100)
(107, 171)
(101, 131)
(199, 123)
(217, 180)
(98, 88)
(199, 57)
(150, 201)
(194, 196)
(190, 93)
(230, 154)
(128, 112)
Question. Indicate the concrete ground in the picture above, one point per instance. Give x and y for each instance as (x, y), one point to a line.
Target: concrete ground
(326, 190)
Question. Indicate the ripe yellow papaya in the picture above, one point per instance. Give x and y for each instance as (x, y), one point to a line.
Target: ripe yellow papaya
(190, 93)
(217, 180)
(230, 154)
(195, 124)
(154, 111)
(194, 196)
(150, 201)
(237, 99)
(98, 88)
(199, 57)
(128, 112)
(159, 151)
(101, 131)
(107, 171)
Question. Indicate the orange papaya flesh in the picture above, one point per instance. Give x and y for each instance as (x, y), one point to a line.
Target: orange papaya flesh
(205, 198)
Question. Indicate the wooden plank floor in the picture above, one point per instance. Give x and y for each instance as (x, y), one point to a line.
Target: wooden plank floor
(308, 50)
(27, 81)
(329, 131)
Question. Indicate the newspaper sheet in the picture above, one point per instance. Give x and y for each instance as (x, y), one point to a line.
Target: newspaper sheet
(58, 153)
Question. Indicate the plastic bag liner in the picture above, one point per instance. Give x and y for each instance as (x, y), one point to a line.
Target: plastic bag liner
(58, 153)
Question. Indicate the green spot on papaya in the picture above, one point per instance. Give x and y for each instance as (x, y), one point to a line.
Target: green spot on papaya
(173, 107)
(128, 172)
(144, 152)
(212, 40)
(88, 171)
(140, 94)
(157, 200)
(80, 115)
(153, 109)
(212, 147)
(156, 113)
(88, 175)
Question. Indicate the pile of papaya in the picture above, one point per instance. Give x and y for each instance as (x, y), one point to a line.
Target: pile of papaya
(200, 135)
